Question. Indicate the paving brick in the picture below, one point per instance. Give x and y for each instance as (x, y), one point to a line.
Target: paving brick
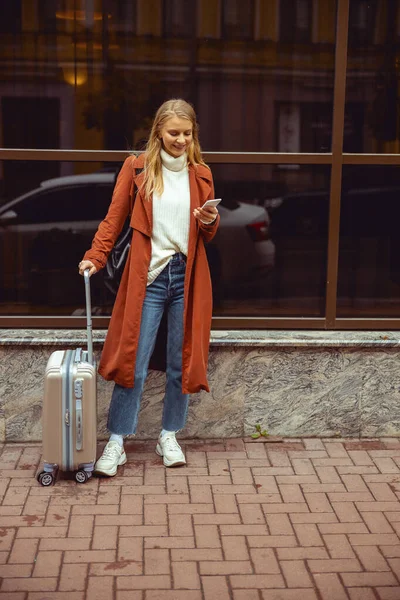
(257, 581)
(118, 567)
(175, 499)
(64, 544)
(386, 465)
(57, 516)
(360, 457)
(105, 537)
(291, 493)
(278, 459)
(338, 528)
(81, 526)
(181, 525)
(330, 587)
(279, 525)
(338, 546)
(143, 490)
(313, 517)
(377, 506)
(346, 512)
(32, 584)
(302, 553)
(215, 587)
(318, 503)
(54, 596)
(207, 536)
(185, 575)
(373, 539)
(295, 574)
(97, 509)
(266, 484)
(130, 549)
(225, 503)
(220, 467)
(171, 542)
(235, 548)
(41, 532)
(308, 534)
(47, 564)
(368, 579)
(168, 595)
(15, 496)
(264, 561)
(197, 554)
(350, 497)
(100, 588)
(157, 562)
(361, 594)
(154, 514)
(138, 595)
(225, 567)
(271, 541)
(281, 508)
(143, 531)
(191, 509)
(303, 466)
(219, 519)
(73, 578)
(256, 450)
(388, 593)
(144, 582)
(258, 498)
(334, 565)
(23, 551)
(328, 475)
(376, 522)
(131, 505)
(89, 556)
(15, 571)
(6, 538)
(179, 485)
(371, 558)
(382, 492)
(246, 595)
(302, 593)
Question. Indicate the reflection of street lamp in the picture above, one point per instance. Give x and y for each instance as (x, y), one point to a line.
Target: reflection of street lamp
(75, 77)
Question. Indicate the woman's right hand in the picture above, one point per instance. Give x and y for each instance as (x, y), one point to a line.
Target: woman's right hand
(87, 264)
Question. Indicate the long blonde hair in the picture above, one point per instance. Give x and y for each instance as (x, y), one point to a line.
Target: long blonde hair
(153, 181)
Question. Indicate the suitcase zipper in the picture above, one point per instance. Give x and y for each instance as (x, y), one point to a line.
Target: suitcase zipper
(66, 441)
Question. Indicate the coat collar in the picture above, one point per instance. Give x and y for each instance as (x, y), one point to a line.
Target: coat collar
(200, 179)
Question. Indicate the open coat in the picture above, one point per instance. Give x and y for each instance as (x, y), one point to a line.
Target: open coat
(119, 353)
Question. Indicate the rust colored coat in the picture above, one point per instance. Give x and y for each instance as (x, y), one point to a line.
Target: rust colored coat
(119, 353)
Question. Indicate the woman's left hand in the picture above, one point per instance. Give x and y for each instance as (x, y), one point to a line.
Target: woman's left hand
(206, 215)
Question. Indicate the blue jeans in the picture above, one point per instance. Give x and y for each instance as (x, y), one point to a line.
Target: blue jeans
(165, 293)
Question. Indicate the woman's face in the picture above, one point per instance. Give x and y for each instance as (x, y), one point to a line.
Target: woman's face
(176, 135)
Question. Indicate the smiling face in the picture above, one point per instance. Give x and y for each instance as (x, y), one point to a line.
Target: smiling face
(176, 135)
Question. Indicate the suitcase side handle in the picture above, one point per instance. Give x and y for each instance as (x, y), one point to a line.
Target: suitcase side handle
(88, 316)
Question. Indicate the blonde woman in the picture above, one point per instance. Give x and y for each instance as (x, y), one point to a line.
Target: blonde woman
(166, 275)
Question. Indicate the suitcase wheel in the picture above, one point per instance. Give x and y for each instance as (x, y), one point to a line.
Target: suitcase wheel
(46, 478)
(81, 476)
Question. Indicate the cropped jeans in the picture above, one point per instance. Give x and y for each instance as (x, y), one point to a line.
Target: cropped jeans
(165, 293)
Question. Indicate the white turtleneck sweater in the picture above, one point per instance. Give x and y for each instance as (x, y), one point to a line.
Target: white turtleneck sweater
(171, 215)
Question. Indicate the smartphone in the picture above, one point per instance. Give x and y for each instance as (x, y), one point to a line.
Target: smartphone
(212, 202)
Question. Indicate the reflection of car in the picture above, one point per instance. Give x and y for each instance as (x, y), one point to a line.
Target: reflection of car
(369, 241)
(44, 233)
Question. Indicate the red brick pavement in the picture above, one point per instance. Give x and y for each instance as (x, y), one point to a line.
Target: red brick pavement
(303, 519)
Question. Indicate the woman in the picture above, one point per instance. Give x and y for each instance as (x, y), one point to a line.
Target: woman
(166, 273)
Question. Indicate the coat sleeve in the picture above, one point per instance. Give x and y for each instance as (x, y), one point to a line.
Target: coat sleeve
(209, 231)
(110, 228)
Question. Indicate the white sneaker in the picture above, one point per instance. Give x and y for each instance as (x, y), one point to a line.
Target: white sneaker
(113, 457)
(170, 450)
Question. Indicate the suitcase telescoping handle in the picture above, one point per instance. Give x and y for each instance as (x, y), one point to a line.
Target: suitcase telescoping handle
(88, 316)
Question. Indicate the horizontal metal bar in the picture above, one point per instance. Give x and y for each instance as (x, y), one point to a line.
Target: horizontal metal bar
(367, 323)
(371, 159)
(53, 322)
(120, 155)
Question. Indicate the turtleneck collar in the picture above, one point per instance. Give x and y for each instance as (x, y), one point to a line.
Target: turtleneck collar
(171, 163)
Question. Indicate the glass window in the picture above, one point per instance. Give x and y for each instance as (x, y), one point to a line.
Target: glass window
(238, 19)
(269, 255)
(372, 77)
(179, 17)
(44, 232)
(369, 265)
(362, 20)
(10, 16)
(295, 21)
(95, 79)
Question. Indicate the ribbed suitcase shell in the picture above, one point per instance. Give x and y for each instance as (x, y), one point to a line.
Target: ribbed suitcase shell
(69, 415)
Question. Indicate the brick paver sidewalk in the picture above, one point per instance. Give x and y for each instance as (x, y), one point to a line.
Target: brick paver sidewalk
(297, 520)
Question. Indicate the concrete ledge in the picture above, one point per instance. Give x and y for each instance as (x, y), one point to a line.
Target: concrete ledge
(295, 383)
